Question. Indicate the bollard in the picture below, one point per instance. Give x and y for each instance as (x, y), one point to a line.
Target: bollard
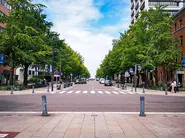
(143, 88)
(166, 93)
(32, 89)
(11, 87)
(48, 87)
(142, 106)
(44, 106)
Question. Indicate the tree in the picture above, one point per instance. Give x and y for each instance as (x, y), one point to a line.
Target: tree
(23, 39)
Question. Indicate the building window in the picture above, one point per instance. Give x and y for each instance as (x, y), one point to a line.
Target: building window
(29, 72)
(175, 26)
(181, 39)
(180, 22)
(2, 2)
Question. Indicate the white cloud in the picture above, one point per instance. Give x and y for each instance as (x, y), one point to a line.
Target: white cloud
(72, 19)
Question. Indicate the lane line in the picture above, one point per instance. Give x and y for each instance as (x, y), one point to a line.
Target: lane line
(123, 92)
(58, 112)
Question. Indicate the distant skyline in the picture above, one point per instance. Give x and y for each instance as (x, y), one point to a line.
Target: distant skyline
(89, 26)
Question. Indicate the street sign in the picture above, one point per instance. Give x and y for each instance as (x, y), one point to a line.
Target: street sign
(1, 59)
(183, 62)
(131, 70)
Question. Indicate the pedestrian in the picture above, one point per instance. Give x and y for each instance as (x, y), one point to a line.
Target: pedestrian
(175, 86)
(172, 85)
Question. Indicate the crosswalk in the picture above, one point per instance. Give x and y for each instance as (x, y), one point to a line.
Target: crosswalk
(93, 92)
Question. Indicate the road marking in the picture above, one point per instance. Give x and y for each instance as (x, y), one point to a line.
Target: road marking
(77, 92)
(115, 92)
(53, 92)
(62, 92)
(137, 113)
(70, 92)
(130, 93)
(85, 91)
(108, 92)
(123, 92)
(92, 92)
(100, 92)
(3, 135)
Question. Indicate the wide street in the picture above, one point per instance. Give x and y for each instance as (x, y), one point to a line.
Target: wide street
(92, 97)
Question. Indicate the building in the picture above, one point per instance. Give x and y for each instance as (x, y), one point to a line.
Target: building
(138, 5)
(4, 70)
(179, 33)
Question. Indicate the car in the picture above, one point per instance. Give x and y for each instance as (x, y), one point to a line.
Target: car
(108, 83)
(102, 81)
(97, 79)
(81, 81)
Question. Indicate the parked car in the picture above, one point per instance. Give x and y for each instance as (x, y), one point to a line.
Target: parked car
(81, 81)
(102, 81)
(108, 83)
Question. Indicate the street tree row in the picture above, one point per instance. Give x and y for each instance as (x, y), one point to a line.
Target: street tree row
(149, 42)
(28, 39)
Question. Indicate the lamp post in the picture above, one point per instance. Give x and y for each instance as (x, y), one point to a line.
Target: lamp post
(52, 74)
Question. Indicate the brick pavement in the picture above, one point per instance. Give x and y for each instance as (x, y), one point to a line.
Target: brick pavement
(94, 125)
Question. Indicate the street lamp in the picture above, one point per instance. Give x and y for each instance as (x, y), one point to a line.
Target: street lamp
(52, 74)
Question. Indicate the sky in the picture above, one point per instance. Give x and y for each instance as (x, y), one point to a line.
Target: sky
(88, 26)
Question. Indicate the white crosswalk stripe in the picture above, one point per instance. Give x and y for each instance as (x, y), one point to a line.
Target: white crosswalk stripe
(70, 92)
(93, 92)
(123, 93)
(100, 92)
(108, 92)
(85, 92)
(77, 92)
(62, 92)
(96, 92)
(115, 92)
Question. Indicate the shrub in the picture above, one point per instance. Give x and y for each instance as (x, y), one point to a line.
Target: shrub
(34, 80)
(4, 88)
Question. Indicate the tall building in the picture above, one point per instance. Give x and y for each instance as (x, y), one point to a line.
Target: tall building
(138, 5)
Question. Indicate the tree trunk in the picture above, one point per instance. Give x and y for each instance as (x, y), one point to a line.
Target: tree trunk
(156, 76)
(25, 74)
(12, 74)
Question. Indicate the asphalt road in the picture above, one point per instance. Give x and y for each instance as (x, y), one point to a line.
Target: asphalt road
(92, 97)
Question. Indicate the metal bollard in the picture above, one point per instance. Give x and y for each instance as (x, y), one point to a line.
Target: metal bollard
(33, 90)
(48, 88)
(143, 88)
(166, 93)
(44, 106)
(142, 106)
(11, 87)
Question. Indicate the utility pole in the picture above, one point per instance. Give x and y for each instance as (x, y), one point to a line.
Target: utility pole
(52, 74)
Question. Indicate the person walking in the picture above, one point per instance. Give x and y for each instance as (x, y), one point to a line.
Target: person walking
(175, 86)
(172, 85)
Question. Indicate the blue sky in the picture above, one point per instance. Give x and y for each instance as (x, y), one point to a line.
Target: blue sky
(89, 26)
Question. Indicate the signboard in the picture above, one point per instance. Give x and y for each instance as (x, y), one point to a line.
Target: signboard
(131, 70)
(1, 59)
(183, 62)
(56, 72)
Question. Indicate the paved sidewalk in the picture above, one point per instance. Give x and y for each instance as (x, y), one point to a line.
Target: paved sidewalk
(36, 91)
(149, 91)
(93, 125)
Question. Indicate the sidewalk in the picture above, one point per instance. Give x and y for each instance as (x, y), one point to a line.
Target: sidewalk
(93, 125)
(36, 91)
(149, 91)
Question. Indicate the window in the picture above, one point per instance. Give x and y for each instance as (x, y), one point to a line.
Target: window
(180, 22)
(33, 73)
(29, 72)
(175, 26)
(2, 2)
(181, 39)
